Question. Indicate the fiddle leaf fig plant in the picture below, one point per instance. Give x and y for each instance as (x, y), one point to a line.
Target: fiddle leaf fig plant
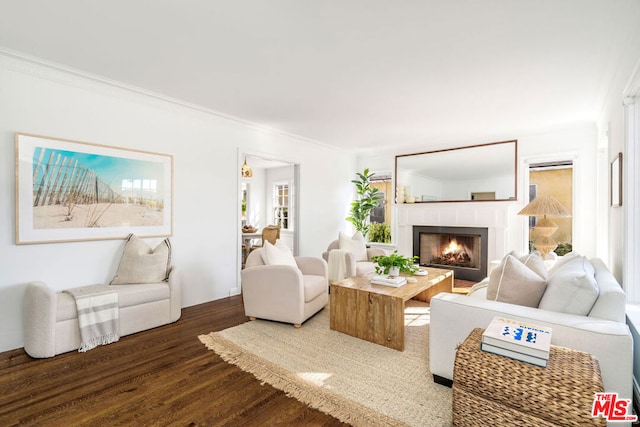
(366, 201)
(385, 262)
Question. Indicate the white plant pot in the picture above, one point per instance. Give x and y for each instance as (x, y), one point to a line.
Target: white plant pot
(394, 271)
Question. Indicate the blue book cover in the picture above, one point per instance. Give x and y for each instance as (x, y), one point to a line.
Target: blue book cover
(518, 336)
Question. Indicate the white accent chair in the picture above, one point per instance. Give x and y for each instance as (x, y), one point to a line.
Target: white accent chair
(354, 265)
(284, 293)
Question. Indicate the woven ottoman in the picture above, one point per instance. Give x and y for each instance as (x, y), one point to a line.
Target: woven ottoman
(493, 390)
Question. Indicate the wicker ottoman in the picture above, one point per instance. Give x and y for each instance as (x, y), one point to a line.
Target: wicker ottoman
(493, 390)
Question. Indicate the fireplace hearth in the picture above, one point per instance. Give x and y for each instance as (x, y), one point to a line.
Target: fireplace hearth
(462, 249)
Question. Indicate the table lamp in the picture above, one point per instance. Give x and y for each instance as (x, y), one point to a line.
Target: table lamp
(545, 206)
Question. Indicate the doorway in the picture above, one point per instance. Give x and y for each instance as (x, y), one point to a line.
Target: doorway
(268, 196)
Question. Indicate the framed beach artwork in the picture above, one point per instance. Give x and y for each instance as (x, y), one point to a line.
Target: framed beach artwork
(72, 191)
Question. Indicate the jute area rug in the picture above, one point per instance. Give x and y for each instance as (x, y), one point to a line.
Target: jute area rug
(358, 382)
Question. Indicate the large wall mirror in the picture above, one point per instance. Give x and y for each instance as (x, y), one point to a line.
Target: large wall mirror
(486, 172)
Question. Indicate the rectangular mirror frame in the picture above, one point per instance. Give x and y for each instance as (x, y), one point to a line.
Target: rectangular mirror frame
(454, 151)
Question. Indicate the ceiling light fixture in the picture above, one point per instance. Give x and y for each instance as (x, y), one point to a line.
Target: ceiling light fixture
(246, 170)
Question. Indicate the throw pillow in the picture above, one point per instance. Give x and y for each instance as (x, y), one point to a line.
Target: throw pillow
(535, 262)
(278, 254)
(355, 245)
(358, 236)
(572, 288)
(515, 283)
(141, 264)
(561, 260)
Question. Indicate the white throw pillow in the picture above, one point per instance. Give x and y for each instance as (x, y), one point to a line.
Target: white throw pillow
(572, 287)
(358, 236)
(278, 254)
(355, 245)
(515, 283)
(563, 259)
(141, 264)
(535, 262)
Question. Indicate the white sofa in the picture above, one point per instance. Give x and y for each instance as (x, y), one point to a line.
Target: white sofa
(603, 332)
(51, 318)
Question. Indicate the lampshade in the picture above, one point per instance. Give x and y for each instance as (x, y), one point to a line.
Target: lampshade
(545, 206)
(246, 170)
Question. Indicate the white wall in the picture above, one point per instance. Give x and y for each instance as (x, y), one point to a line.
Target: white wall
(577, 142)
(38, 99)
(611, 128)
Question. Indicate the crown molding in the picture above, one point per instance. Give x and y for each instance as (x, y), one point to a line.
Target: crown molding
(30, 65)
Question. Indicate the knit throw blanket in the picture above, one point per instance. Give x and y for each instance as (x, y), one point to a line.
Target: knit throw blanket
(337, 265)
(97, 315)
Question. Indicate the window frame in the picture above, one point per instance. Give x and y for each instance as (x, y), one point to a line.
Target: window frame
(284, 221)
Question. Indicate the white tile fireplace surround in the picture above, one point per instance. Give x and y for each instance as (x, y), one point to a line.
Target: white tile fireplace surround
(500, 218)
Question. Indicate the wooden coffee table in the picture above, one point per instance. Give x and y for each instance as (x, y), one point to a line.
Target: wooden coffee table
(376, 313)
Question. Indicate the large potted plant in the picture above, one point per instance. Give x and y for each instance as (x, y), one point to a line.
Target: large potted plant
(366, 201)
(395, 263)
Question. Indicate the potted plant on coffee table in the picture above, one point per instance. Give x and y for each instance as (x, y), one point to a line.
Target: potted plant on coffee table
(395, 263)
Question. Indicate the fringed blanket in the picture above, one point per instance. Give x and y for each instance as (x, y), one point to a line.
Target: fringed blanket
(337, 265)
(97, 315)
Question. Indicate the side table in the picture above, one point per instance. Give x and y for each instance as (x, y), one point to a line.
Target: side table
(493, 390)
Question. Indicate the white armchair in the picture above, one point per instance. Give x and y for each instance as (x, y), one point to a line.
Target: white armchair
(357, 263)
(284, 293)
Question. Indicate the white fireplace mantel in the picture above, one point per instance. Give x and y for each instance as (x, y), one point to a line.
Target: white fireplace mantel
(500, 218)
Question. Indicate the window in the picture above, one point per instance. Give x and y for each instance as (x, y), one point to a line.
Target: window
(554, 178)
(281, 205)
(382, 213)
(245, 202)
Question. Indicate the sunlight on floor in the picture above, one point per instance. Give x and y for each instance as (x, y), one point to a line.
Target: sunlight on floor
(315, 378)
(417, 315)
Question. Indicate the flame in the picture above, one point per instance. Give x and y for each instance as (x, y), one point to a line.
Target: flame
(453, 248)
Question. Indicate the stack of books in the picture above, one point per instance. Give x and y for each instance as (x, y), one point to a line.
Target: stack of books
(517, 340)
(394, 281)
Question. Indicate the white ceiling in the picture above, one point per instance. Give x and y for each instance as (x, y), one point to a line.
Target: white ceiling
(361, 74)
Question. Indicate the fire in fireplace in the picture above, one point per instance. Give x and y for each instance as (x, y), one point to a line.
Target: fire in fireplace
(462, 249)
(459, 255)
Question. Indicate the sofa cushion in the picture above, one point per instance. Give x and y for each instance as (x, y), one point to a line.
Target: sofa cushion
(141, 264)
(479, 290)
(356, 245)
(313, 286)
(515, 283)
(278, 254)
(128, 296)
(571, 288)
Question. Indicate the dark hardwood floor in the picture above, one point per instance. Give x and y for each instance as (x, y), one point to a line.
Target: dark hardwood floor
(164, 376)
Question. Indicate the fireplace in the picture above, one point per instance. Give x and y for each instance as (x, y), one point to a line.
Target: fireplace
(462, 249)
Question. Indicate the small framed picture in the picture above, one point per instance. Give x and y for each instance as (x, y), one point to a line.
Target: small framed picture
(616, 181)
